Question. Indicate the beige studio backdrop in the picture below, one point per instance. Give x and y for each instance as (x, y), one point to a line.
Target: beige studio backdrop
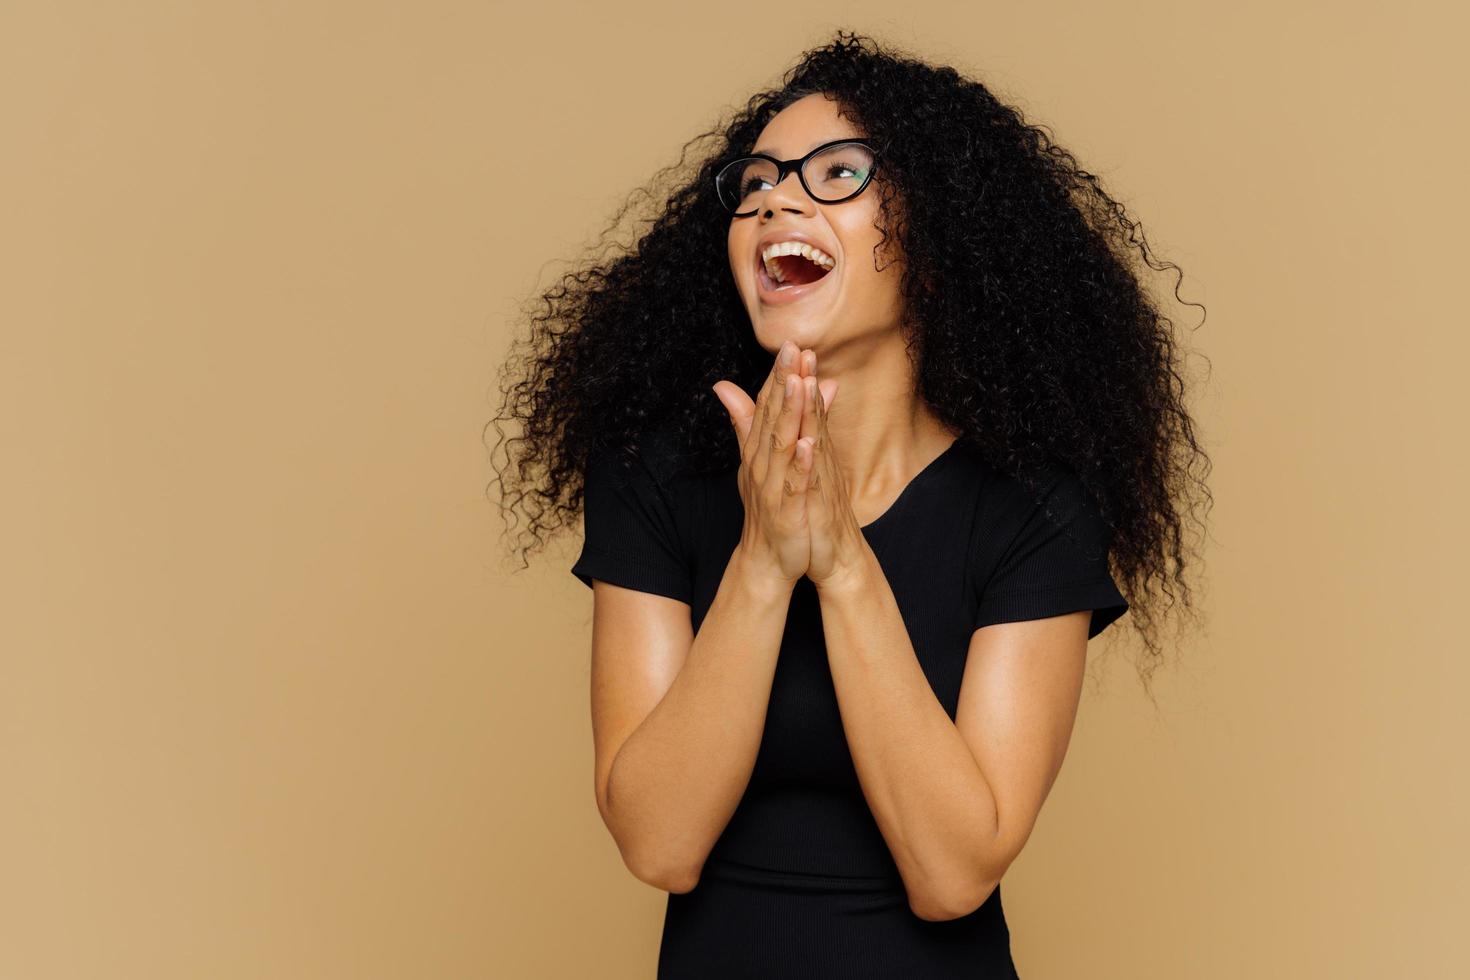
(272, 703)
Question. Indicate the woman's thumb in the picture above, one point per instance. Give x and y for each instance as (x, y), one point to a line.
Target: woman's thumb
(828, 388)
(729, 412)
(731, 396)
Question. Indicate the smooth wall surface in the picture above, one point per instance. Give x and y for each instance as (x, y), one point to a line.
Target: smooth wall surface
(272, 703)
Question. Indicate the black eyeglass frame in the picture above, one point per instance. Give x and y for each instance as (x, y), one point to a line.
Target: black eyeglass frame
(784, 167)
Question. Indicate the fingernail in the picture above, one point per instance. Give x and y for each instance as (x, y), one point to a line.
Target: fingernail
(788, 353)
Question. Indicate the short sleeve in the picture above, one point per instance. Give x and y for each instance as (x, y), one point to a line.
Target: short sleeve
(1045, 557)
(631, 537)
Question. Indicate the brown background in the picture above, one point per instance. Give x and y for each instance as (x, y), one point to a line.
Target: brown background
(274, 706)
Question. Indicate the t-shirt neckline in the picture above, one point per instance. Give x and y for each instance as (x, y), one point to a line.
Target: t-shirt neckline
(904, 495)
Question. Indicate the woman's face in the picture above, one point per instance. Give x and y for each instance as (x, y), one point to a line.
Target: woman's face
(852, 302)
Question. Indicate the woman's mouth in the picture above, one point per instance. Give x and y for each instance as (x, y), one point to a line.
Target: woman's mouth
(799, 277)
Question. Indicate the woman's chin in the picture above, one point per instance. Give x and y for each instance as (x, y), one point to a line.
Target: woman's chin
(774, 327)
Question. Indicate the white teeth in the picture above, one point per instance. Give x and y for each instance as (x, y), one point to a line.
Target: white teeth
(773, 251)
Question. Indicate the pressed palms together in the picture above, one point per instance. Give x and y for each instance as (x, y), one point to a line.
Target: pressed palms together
(798, 517)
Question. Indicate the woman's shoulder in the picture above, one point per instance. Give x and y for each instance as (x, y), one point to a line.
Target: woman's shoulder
(1011, 497)
(1004, 482)
(660, 448)
(655, 460)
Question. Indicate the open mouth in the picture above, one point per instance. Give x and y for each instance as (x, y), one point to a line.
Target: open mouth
(791, 270)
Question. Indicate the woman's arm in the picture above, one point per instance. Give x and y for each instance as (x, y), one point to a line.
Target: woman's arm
(955, 801)
(677, 718)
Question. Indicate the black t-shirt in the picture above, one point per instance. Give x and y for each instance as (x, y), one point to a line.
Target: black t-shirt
(963, 546)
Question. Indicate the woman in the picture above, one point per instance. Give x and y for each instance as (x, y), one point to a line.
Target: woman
(839, 640)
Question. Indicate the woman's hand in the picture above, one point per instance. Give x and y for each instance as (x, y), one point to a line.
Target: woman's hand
(837, 545)
(772, 485)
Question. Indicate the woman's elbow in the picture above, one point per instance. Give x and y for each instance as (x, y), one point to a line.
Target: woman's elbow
(934, 908)
(676, 879)
(651, 863)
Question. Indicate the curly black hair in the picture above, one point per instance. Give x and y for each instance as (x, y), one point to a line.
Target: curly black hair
(1029, 326)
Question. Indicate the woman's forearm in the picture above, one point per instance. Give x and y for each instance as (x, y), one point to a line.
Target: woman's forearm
(677, 779)
(926, 791)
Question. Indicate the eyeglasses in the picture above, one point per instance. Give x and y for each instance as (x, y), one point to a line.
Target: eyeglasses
(831, 173)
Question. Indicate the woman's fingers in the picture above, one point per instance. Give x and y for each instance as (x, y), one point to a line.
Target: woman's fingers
(809, 409)
(798, 481)
(799, 476)
(751, 441)
(768, 404)
(823, 470)
(755, 421)
(828, 387)
(785, 428)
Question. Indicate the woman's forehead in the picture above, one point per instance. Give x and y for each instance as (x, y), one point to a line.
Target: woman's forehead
(804, 124)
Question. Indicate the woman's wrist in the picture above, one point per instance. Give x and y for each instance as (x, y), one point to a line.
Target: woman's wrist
(758, 577)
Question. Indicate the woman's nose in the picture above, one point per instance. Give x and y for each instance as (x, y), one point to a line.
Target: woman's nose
(788, 195)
